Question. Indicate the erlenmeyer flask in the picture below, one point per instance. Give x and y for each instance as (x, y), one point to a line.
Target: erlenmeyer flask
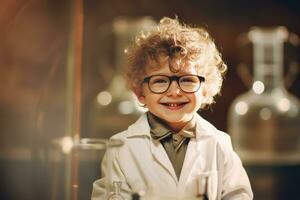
(116, 193)
(264, 122)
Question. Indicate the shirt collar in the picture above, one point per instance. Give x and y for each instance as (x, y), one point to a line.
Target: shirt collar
(159, 130)
(141, 127)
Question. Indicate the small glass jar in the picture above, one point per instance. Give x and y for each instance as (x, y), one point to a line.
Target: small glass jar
(116, 195)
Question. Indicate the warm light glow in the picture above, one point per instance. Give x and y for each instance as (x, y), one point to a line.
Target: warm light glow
(126, 107)
(67, 144)
(104, 98)
(120, 25)
(265, 113)
(241, 108)
(284, 104)
(258, 87)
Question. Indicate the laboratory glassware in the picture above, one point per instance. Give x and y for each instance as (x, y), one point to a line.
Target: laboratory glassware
(68, 147)
(115, 102)
(116, 195)
(264, 122)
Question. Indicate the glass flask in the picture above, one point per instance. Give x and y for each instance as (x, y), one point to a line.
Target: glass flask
(116, 103)
(116, 193)
(78, 151)
(264, 122)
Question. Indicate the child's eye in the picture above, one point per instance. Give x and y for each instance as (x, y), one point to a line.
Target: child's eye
(158, 80)
(189, 79)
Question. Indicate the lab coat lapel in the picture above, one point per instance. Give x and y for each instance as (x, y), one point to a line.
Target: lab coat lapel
(162, 158)
(191, 159)
(141, 128)
(193, 154)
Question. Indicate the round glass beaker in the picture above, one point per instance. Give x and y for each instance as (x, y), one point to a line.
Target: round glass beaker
(75, 157)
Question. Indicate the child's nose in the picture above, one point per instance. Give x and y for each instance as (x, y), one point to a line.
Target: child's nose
(174, 89)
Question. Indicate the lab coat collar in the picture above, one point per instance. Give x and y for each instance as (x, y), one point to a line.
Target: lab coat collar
(141, 128)
(204, 128)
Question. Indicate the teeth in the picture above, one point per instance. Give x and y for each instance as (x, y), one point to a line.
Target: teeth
(173, 104)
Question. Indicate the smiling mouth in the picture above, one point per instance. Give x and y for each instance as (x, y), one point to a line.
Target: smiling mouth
(174, 105)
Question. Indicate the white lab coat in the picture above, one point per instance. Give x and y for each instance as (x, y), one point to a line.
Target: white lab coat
(143, 164)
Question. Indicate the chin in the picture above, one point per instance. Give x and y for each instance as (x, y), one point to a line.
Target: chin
(175, 120)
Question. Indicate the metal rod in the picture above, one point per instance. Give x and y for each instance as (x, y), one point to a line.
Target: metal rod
(73, 97)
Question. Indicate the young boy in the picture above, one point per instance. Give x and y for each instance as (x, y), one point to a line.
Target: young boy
(175, 70)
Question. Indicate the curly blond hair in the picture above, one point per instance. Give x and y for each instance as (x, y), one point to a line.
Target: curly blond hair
(177, 44)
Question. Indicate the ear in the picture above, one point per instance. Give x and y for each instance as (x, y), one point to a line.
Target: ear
(206, 94)
(204, 91)
(140, 95)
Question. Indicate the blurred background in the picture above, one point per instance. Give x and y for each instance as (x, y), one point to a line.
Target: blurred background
(60, 63)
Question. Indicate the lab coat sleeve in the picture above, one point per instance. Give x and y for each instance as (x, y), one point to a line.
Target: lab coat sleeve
(235, 182)
(114, 174)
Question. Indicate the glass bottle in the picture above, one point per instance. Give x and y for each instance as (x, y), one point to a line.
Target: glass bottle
(264, 122)
(115, 107)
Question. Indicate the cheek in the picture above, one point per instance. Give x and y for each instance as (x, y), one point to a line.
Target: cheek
(150, 98)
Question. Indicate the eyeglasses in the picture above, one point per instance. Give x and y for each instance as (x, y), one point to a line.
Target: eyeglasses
(159, 84)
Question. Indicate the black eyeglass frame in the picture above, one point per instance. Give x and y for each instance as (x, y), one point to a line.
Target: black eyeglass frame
(171, 79)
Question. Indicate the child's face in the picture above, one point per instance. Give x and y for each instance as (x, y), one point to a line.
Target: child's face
(174, 106)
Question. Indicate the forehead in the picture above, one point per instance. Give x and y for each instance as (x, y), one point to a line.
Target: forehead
(164, 69)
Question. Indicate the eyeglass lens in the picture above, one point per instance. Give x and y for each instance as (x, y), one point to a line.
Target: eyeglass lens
(188, 83)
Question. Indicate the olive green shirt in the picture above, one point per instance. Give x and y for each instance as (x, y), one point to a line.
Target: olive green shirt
(174, 143)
